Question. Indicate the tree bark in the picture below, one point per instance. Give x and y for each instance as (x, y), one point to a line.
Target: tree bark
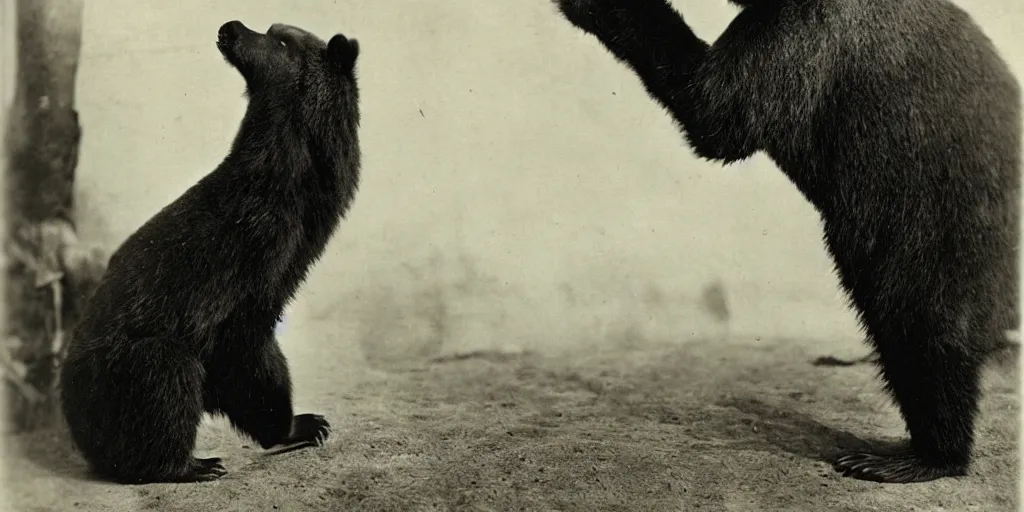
(48, 275)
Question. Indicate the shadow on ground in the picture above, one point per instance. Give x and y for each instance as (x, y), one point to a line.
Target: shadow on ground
(724, 425)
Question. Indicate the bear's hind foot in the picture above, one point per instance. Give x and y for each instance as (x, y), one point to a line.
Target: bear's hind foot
(192, 471)
(203, 470)
(896, 467)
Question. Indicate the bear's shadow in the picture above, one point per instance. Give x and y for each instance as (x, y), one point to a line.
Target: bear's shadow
(741, 422)
(798, 434)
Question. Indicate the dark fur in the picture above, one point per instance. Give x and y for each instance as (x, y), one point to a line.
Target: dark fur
(183, 321)
(900, 123)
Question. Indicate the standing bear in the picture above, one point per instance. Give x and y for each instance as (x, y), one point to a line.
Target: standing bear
(183, 321)
(900, 123)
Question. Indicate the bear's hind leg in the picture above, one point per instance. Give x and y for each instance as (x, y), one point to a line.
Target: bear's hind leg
(249, 382)
(935, 379)
(139, 421)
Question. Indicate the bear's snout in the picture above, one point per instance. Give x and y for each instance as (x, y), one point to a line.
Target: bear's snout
(231, 30)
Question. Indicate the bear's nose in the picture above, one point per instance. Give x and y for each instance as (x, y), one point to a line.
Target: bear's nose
(232, 29)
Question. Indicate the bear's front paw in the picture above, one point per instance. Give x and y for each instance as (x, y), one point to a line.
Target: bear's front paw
(310, 428)
(608, 19)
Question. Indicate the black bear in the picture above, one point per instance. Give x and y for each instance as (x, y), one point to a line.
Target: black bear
(183, 320)
(900, 123)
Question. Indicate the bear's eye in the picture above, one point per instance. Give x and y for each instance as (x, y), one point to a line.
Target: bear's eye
(282, 43)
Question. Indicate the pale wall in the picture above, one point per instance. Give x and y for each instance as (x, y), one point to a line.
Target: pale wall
(519, 187)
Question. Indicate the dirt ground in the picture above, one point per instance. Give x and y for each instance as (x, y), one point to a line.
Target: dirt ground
(729, 424)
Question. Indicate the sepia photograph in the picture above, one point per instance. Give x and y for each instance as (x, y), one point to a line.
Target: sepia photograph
(552, 255)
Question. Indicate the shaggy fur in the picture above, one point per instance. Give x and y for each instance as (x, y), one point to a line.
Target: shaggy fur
(900, 123)
(183, 320)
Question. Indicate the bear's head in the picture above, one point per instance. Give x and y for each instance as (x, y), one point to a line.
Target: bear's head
(301, 90)
(286, 57)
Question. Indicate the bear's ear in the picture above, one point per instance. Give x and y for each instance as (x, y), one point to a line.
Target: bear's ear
(342, 52)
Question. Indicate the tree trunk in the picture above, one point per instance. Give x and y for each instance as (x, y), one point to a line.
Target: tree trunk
(48, 276)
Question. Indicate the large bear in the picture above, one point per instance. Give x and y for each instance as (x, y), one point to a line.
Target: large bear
(183, 321)
(900, 123)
